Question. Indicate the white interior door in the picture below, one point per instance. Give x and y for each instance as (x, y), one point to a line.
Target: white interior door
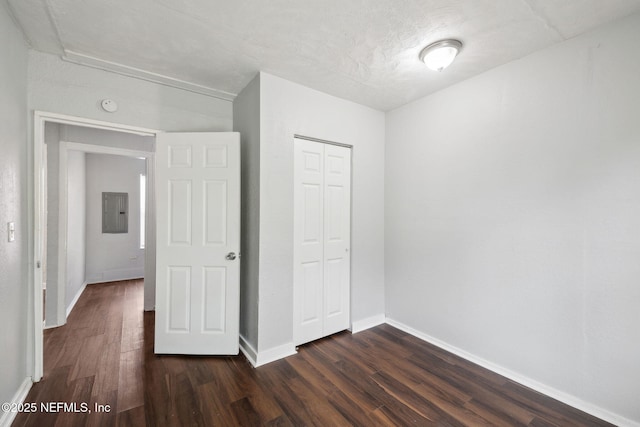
(198, 238)
(322, 228)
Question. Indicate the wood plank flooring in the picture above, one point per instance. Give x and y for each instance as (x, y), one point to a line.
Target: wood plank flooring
(97, 357)
(379, 377)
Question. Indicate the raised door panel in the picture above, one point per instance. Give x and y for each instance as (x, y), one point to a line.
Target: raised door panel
(179, 212)
(215, 212)
(311, 288)
(213, 303)
(180, 156)
(334, 306)
(215, 156)
(335, 224)
(311, 214)
(179, 298)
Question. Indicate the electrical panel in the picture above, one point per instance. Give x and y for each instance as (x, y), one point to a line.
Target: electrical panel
(115, 213)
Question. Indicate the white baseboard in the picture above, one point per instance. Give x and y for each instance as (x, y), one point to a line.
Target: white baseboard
(7, 418)
(275, 353)
(75, 298)
(45, 325)
(248, 350)
(116, 275)
(117, 279)
(369, 322)
(262, 358)
(514, 376)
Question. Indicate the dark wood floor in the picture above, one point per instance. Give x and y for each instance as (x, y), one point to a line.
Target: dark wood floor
(97, 357)
(380, 377)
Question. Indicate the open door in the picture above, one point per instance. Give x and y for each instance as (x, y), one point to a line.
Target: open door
(198, 239)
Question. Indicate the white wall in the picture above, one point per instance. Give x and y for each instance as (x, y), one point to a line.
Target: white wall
(286, 109)
(513, 218)
(63, 87)
(76, 235)
(16, 322)
(113, 257)
(106, 138)
(246, 120)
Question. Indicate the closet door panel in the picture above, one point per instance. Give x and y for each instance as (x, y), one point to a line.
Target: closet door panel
(337, 238)
(308, 281)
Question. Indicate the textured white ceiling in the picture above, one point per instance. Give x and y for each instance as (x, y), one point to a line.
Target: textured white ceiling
(362, 50)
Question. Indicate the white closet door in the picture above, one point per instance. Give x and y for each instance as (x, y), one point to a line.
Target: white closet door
(322, 212)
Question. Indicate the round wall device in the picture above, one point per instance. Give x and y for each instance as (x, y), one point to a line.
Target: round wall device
(109, 105)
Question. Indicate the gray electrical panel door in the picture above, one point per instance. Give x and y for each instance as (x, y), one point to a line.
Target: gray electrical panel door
(115, 212)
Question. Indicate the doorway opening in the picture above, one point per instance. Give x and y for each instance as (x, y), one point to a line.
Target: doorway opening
(58, 257)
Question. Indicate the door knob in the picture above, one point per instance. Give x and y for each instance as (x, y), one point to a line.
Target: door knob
(231, 256)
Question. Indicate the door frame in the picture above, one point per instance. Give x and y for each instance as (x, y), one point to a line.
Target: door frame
(63, 213)
(36, 240)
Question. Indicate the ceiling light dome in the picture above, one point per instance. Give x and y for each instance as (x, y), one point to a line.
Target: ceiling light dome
(439, 55)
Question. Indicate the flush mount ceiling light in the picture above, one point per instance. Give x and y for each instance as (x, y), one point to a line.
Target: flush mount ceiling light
(439, 55)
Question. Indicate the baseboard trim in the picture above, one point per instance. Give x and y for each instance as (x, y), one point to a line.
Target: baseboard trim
(76, 298)
(368, 323)
(275, 353)
(563, 397)
(257, 358)
(18, 398)
(46, 326)
(134, 277)
(247, 349)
